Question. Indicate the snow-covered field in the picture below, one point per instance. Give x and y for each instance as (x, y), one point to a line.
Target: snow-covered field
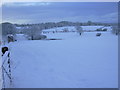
(75, 61)
(72, 28)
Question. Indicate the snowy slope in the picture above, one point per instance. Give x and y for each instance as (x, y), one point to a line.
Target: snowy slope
(20, 37)
(72, 28)
(74, 62)
(91, 27)
(70, 35)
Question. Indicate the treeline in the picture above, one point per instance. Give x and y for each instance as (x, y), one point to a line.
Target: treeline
(35, 29)
(49, 25)
(8, 28)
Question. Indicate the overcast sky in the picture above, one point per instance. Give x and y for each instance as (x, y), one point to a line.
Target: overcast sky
(37, 12)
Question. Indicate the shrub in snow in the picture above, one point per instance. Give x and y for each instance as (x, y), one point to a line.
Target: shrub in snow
(39, 37)
(99, 29)
(104, 29)
(43, 36)
(98, 34)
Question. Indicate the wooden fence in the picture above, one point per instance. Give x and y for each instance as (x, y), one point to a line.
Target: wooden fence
(6, 69)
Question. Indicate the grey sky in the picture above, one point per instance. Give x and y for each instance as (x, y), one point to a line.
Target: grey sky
(37, 12)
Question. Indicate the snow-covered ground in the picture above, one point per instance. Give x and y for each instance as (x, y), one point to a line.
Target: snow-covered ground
(72, 28)
(20, 37)
(75, 61)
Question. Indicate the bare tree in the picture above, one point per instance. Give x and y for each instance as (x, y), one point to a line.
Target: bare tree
(32, 31)
(89, 23)
(79, 29)
(115, 30)
(8, 28)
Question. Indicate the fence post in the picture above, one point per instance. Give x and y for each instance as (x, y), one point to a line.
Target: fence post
(6, 71)
(9, 67)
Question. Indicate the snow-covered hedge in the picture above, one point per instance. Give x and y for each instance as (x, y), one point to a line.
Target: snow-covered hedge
(38, 37)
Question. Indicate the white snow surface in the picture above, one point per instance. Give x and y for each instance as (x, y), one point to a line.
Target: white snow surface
(75, 61)
(72, 28)
(20, 37)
